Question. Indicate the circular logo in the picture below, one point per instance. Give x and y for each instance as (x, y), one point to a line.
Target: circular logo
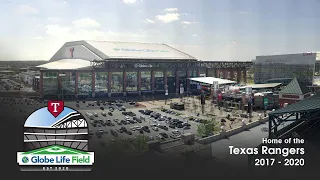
(25, 159)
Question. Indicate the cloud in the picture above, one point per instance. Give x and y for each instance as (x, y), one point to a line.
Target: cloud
(194, 35)
(26, 9)
(148, 21)
(244, 12)
(75, 34)
(171, 9)
(129, 1)
(169, 17)
(54, 19)
(186, 22)
(86, 23)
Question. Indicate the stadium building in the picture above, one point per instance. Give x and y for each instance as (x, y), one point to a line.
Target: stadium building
(107, 69)
(303, 66)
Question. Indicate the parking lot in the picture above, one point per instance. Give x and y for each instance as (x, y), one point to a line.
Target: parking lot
(106, 127)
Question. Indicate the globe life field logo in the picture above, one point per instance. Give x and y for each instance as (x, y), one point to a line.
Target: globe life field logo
(55, 139)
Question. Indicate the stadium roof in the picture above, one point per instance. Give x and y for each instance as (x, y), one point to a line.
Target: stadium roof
(209, 80)
(65, 64)
(309, 104)
(261, 86)
(295, 87)
(111, 50)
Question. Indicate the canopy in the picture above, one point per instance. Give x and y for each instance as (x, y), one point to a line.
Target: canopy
(66, 64)
(261, 86)
(210, 80)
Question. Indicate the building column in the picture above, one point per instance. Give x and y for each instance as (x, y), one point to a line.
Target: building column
(177, 81)
(153, 81)
(41, 84)
(188, 80)
(139, 81)
(124, 82)
(225, 73)
(244, 75)
(239, 75)
(217, 73)
(165, 78)
(76, 84)
(93, 84)
(232, 74)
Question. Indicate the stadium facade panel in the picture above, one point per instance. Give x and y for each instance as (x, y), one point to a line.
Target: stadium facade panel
(107, 69)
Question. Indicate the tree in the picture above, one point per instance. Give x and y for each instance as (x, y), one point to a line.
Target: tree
(207, 128)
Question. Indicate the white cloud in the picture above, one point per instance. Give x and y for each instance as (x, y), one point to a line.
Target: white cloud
(244, 12)
(73, 34)
(148, 21)
(171, 9)
(86, 23)
(186, 22)
(129, 1)
(56, 30)
(26, 9)
(54, 19)
(169, 17)
(37, 38)
(194, 35)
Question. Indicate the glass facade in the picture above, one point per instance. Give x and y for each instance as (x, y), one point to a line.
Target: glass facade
(101, 86)
(50, 83)
(117, 82)
(171, 81)
(68, 83)
(159, 80)
(183, 78)
(285, 66)
(146, 80)
(85, 83)
(132, 81)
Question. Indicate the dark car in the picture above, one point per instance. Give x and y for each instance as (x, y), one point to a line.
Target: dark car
(164, 135)
(180, 125)
(141, 131)
(110, 113)
(173, 126)
(124, 129)
(113, 133)
(102, 108)
(129, 132)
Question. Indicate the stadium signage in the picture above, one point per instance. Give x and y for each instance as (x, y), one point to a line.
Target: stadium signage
(139, 50)
(53, 147)
(143, 66)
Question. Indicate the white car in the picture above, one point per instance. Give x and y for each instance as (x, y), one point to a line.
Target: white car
(127, 118)
(133, 128)
(95, 114)
(155, 128)
(103, 113)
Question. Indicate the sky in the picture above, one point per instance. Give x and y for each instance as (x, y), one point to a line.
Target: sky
(217, 30)
(43, 118)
